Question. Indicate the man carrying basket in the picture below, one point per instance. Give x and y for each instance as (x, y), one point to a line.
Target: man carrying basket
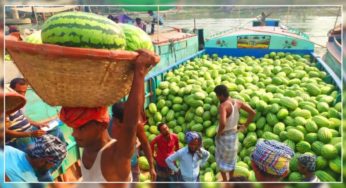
(90, 131)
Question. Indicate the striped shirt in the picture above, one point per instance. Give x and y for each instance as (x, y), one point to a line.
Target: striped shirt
(18, 123)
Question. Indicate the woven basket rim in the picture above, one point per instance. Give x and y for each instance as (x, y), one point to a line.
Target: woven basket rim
(13, 101)
(14, 42)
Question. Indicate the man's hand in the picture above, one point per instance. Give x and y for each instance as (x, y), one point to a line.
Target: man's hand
(40, 125)
(242, 128)
(152, 174)
(38, 133)
(146, 59)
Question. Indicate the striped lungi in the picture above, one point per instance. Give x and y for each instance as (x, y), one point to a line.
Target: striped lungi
(226, 151)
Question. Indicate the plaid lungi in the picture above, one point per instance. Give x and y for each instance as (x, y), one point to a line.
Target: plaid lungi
(226, 151)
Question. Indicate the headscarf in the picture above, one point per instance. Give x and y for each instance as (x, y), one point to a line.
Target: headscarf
(76, 117)
(272, 157)
(308, 161)
(49, 147)
(192, 135)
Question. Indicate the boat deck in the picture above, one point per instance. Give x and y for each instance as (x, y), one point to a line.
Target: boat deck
(269, 30)
(169, 36)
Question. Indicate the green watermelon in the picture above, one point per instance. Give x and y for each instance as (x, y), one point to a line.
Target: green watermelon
(143, 163)
(329, 151)
(303, 147)
(324, 135)
(34, 38)
(295, 135)
(321, 163)
(84, 30)
(137, 39)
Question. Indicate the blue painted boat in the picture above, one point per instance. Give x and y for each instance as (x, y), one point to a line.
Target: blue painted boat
(333, 55)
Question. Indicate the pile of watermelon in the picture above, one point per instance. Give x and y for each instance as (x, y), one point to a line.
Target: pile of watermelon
(294, 104)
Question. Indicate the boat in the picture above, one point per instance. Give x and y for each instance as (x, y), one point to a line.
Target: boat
(334, 49)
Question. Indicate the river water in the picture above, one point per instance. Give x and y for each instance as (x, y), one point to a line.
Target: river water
(314, 21)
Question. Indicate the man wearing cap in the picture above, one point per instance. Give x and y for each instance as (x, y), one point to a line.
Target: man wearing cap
(226, 139)
(46, 152)
(190, 158)
(307, 167)
(271, 160)
(90, 130)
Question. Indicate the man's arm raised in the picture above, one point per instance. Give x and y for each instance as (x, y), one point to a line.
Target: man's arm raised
(134, 105)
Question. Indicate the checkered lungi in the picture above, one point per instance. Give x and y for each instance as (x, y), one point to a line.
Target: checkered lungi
(226, 151)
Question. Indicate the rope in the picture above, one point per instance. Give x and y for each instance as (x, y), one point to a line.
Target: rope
(227, 31)
(172, 49)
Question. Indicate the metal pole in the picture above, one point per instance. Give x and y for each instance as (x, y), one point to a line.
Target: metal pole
(194, 24)
(35, 15)
(158, 22)
(336, 20)
(15, 14)
(288, 13)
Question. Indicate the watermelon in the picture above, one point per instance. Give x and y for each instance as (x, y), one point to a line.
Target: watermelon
(335, 165)
(136, 38)
(317, 147)
(311, 126)
(303, 147)
(324, 135)
(295, 135)
(278, 128)
(282, 114)
(241, 172)
(84, 30)
(295, 176)
(34, 38)
(143, 163)
(324, 176)
(321, 163)
(311, 137)
(329, 151)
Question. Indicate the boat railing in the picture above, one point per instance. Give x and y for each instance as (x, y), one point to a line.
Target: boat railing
(295, 31)
(337, 42)
(333, 78)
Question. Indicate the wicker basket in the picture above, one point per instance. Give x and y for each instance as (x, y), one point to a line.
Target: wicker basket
(73, 77)
(13, 101)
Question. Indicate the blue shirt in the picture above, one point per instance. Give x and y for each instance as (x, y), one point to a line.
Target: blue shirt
(189, 165)
(17, 167)
(157, 17)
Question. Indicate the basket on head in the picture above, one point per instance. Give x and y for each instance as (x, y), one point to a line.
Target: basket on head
(74, 77)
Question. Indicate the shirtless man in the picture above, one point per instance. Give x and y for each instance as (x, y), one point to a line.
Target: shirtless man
(105, 159)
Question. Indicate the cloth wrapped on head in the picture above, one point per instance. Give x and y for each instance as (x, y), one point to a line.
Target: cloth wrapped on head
(49, 147)
(76, 117)
(308, 161)
(192, 135)
(272, 157)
